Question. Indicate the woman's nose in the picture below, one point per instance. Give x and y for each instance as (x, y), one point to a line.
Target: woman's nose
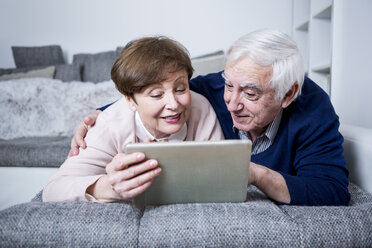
(172, 102)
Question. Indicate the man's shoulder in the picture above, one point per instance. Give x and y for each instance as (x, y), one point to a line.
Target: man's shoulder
(209, 81)
(313, 99)
(312, 110)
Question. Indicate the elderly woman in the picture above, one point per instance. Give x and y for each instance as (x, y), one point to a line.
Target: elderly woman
(153, 75)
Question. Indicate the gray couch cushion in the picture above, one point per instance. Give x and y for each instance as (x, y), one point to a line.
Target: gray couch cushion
(68, 72)
(255, 223)
(259, 223)
(37, 56)
(69, 224)
(63, 72)
(335, 226)
(96, 67)
(34, 151)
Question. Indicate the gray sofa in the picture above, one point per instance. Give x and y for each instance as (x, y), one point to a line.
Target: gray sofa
(258, 222)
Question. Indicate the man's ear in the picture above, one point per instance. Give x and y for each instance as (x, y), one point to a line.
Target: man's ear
(132, 103)
(290, 96)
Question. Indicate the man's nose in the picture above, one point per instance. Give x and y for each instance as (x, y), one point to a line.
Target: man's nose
(234, 103)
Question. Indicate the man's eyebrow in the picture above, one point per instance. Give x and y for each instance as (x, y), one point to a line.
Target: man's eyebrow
(251, 86)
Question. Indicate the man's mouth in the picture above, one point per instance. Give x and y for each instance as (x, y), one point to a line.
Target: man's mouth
(240, 116)
(171, 119)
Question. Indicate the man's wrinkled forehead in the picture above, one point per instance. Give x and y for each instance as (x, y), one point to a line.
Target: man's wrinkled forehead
(249, 73)
(245, 84)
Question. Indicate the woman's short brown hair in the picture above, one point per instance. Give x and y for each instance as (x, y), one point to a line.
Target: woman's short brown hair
(145, 61)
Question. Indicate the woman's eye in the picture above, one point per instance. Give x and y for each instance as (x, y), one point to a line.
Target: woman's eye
(155, 96)
(180, 90)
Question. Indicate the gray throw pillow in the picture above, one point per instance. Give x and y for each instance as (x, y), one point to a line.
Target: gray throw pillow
(96, 67)
(47, 72)
(119, 49)
(68, 72)
(208, 64)
(37, 56)
(19, 70)
(4, 71)
(219, 52)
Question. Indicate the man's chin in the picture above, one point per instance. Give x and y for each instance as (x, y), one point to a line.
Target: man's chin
(241, 126)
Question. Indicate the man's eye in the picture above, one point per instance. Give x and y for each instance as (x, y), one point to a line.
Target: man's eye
(228, 86)
(251, 95)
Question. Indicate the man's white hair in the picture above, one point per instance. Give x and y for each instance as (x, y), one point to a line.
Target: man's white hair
(271, 47)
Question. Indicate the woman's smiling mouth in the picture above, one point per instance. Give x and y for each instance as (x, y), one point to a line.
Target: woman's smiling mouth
(171, 119)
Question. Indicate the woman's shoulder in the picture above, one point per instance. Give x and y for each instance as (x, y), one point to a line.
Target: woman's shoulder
(199, 101)
(115, 125)
(203, 123)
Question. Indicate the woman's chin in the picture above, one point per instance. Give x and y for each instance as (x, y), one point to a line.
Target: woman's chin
(170, 130)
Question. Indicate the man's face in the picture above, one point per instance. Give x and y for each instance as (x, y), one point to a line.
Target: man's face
(249, 96)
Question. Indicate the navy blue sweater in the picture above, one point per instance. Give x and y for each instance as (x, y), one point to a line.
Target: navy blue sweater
(307, 149)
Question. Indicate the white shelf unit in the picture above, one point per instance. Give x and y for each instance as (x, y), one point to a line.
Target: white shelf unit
(301, 17)
(312, 31)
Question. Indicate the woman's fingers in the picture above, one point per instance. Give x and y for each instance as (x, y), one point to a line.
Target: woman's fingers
(133, 171)
(134, 186)
(122, 161)
(131, 174)
(136, 191)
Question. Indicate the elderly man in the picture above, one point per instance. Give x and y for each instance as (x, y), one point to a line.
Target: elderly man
(262, 95)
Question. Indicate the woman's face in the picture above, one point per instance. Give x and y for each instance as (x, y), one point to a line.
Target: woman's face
(164, 107)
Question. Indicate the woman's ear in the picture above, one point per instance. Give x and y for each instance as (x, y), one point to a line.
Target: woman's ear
(132, 103)
(290, 96)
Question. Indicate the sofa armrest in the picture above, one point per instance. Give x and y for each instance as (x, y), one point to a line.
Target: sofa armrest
(358, 154)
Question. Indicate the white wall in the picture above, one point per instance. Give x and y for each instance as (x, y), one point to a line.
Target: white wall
(96, 25)
(352, 64)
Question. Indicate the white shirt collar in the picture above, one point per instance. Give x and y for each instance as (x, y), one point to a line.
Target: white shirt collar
(142, 133)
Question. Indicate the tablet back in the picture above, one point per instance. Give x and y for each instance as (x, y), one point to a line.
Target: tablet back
(206, 171)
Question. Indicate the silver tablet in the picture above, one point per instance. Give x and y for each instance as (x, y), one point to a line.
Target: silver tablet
(196, 171)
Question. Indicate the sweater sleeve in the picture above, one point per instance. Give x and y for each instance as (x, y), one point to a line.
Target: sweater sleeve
(320, 176)
(77, 173)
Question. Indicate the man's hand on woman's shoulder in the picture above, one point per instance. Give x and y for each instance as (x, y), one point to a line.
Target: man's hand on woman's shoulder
(80, 132)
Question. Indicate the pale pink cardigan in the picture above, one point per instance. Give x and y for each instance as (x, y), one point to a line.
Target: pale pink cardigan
(114, 128)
